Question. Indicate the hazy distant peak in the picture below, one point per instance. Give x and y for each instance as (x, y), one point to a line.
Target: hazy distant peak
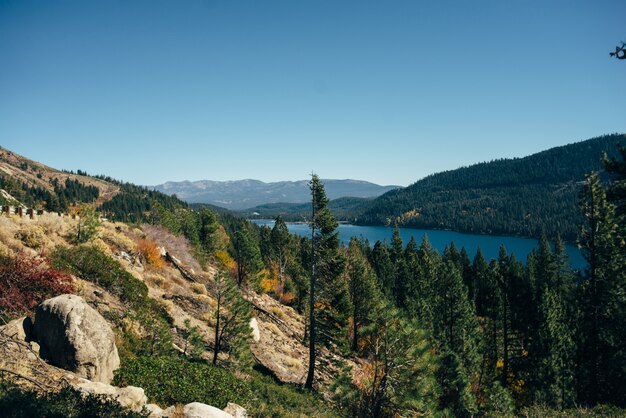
(247, 193)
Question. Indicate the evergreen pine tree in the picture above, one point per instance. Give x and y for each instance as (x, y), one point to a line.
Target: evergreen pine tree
(208, 231)
(231, 317)
(401, 273)
(400, 377)
(247, 254)
(480, 279)
(429, 266)
(554, 359)
(602, 300)
(456, 397)
(383, 266)
(364, 293)
(280, 240)
(328, 296)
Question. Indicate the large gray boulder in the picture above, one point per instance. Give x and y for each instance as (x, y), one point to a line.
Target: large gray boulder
(75, 337)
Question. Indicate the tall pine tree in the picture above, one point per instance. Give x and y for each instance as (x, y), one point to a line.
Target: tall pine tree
(602, 300)
(328, 296)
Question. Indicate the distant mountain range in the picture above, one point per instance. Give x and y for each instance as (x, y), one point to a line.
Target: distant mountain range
(520, 196)
(514, 196)
(245, 194)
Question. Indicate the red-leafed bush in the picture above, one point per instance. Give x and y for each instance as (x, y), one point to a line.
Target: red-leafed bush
(24, 282)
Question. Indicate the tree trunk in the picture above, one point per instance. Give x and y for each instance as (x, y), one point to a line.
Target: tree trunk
(216, 347)
(311, 373)
(505, 339)
(355, 333)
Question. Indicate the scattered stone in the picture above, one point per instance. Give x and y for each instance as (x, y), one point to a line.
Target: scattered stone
(34, 354)
(75, 337)
(200, 410)
(125, 256)
(20, 329)
(130, 396)
(154, 410)
(256, 333)
(169, 412)
(236, 411)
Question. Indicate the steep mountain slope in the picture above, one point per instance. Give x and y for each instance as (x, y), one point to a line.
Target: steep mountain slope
(37, 185)
(520, 196)
(156, 287)
(244, 194)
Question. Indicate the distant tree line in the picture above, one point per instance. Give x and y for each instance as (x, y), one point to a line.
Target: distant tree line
(522, 196)
(63, 194)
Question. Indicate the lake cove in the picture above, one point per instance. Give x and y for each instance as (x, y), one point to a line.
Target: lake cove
(489, 244)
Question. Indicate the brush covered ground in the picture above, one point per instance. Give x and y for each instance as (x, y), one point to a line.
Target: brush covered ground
(164, 323)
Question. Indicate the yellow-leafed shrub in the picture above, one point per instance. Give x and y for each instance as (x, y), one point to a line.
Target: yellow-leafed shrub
(150, 253)
(226, 260)
(268, 281)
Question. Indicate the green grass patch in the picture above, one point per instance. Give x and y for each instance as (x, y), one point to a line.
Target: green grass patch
(274, 399)
(599, 411)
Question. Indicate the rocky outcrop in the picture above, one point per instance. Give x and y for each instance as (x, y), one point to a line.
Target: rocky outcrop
(130, 396)
(74, 336)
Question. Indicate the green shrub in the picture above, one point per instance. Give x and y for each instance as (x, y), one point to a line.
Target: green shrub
(170, 380)
(599, 411)
(273, 399)
(90, 263)
(93, 265)
(16, 402)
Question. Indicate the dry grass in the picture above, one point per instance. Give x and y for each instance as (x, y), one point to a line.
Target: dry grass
(102, 246)
(33, 236)
(178, 246)
(292, 363)
(199, 288)
(271, 327)
(8, 230)
(55, 227)
(156, 280)
(115, 235)
(170, 307)
(5, 251)
(277, 311)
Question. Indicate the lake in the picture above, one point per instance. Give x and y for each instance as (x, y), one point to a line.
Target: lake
(489, 244)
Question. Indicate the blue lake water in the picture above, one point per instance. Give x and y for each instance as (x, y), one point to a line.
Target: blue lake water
(489, 244)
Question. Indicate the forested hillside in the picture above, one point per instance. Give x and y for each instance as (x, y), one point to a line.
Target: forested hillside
(344, 209)
(521, 196)
(238, 312)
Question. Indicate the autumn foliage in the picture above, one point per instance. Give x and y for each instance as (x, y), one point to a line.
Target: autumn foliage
(25, 282)
(150, 253)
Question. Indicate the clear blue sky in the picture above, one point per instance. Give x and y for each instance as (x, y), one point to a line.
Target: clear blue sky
(385, 91)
